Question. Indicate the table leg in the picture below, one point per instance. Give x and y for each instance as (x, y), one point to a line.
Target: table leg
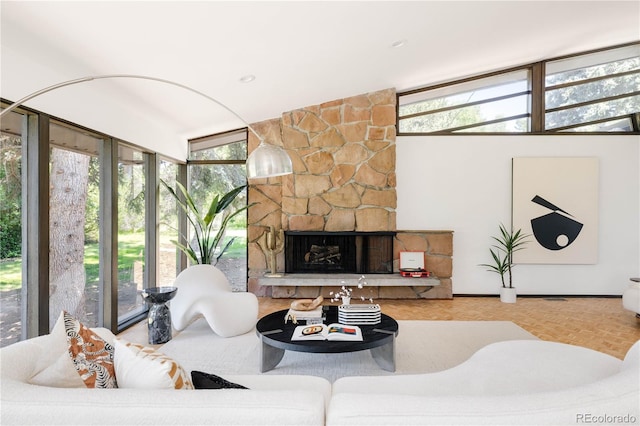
(385, 355)
(269, 357)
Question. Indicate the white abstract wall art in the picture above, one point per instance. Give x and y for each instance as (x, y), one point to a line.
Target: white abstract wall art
(555, 200)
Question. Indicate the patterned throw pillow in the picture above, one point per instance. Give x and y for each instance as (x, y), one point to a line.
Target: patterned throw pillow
(92, 356)
(72, 356)
(142, 367)
(211, 381)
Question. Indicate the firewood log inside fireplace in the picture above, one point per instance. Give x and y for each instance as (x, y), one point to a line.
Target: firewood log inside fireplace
(323, 254)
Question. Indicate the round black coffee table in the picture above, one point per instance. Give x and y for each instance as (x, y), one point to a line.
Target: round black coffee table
(275, 336)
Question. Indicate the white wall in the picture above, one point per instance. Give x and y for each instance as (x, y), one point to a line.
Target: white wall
(463, 184)
(89, 103)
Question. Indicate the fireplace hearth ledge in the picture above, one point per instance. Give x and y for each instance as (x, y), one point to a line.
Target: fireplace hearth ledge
(333, 280)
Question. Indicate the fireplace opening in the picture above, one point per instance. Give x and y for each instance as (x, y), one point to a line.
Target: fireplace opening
(339, 252)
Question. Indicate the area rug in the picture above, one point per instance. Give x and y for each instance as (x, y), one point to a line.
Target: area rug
(421, 347)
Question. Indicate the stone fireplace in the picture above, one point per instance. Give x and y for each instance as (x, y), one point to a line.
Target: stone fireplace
(343, 182)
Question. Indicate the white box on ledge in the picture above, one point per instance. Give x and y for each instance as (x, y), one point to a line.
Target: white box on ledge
(412, 261)
(412, 264)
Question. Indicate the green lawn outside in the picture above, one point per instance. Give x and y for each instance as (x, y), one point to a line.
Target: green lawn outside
(10, 274)
(130, 250)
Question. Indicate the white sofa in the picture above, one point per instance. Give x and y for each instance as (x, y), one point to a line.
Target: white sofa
(279, 400)
(513, 382)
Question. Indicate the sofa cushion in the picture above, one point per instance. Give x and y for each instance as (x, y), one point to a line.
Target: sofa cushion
(203, 380)
(501, 368)
(75, 357)
(143, 367)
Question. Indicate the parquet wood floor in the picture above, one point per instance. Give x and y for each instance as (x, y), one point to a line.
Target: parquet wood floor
(597, 323)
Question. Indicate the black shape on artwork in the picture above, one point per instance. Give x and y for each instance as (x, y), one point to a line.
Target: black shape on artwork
(548, 228)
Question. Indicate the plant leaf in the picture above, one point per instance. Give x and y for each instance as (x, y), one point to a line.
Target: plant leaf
(229, 197)
(213, 210)
(206, 236)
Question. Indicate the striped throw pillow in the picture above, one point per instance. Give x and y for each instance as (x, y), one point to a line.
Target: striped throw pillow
(143, 367)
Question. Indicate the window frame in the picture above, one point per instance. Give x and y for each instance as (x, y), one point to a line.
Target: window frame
(537, 106)
(207, 142)
(35, 222)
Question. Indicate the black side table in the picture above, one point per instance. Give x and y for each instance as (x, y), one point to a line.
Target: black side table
(275, 336)
(159, 317)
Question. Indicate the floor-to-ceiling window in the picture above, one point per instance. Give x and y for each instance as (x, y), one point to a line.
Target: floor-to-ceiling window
(10, 228)
(74, 203)
(168, 254)
(131, 230)
(78, 225)
(217, 165)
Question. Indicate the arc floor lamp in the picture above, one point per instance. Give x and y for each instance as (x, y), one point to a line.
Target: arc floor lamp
(265, 161)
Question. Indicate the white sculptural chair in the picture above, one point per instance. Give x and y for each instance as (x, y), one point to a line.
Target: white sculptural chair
(204, 290)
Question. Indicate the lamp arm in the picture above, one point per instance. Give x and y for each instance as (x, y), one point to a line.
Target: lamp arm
(108, 76)
(262, 153)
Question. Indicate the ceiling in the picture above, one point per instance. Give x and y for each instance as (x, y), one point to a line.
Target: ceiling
(301, 53)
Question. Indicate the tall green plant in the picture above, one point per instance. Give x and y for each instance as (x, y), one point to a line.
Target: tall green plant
(207, 237)
(507, 243)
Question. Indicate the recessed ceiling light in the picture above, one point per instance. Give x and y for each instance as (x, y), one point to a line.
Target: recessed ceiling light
(247, 78)
(398, 43)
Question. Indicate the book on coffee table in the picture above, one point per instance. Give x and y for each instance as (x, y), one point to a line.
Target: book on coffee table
(327, 332)
(305, 317)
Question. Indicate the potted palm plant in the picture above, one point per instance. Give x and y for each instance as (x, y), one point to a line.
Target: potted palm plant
(502, 251)
(209, 232)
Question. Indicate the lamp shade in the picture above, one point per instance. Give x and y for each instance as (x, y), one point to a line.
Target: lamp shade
(267, 161)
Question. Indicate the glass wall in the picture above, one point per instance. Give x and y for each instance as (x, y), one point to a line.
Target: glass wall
(168, 227)
(216, 166)
(69, 176)
(74, 203)
(131, 231)
(10, 228)
(207, 181)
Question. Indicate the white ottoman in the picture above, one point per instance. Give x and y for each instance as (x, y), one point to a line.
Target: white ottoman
(631, 296)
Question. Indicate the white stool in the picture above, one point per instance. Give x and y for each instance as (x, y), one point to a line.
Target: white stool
(631, 297)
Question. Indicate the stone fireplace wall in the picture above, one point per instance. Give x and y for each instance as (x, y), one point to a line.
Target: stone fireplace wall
(344, 158)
